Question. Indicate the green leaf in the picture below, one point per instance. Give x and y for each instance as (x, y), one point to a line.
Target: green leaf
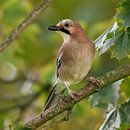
(119, 34)
(117, 118)
(112, 121)
(123, 12)
(121, 47)
(125, 112)
(105, 40)
(109, 95)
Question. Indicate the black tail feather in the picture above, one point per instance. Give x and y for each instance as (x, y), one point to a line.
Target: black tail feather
(53, 98)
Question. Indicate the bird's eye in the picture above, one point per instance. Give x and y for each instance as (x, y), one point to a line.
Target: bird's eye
(66, 25)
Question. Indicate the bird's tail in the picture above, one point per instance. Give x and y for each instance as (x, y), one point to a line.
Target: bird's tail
(53, 98)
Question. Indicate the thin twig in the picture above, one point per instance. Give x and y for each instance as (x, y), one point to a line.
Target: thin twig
(24, 24)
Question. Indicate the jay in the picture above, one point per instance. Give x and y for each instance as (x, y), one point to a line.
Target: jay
(74, 59)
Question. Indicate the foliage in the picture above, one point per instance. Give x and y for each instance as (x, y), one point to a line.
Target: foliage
(117, 40)
(118, 36)
(27, 66)
(117, 117)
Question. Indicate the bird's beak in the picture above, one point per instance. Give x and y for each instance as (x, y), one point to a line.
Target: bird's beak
(58, 28)
(54, 28)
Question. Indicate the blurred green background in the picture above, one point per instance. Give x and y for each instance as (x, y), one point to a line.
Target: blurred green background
(27, 67)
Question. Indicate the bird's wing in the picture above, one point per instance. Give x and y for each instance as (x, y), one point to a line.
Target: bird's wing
(54, 96)
(58, 89)
(58, 64)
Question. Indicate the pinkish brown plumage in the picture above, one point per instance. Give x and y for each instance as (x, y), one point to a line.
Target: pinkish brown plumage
(74, 59)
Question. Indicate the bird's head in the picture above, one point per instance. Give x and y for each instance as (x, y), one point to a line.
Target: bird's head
(67, 28)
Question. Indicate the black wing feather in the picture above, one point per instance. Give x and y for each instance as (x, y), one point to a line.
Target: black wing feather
(58, 65)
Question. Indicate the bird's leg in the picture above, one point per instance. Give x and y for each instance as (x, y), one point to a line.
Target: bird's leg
(62, 96)
(71, 93)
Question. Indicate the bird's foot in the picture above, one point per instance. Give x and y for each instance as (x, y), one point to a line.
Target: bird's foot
(62, 96)
(72, 93)
(94, 81)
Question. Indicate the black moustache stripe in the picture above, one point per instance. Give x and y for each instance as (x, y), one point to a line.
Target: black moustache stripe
(65, 31)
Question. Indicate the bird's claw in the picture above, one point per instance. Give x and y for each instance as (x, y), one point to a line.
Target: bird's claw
(72, 94)
(62, 96)
(94, 81)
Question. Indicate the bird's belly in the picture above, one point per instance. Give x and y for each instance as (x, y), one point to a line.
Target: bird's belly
(81, 71)
(75, 71)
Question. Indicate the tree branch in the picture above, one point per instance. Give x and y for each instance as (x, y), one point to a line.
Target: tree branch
(24, 24)
(67, 103)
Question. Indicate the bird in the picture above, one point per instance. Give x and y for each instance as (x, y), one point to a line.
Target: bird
(74, 59)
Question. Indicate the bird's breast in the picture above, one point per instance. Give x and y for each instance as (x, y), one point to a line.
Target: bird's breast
(76, 61)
